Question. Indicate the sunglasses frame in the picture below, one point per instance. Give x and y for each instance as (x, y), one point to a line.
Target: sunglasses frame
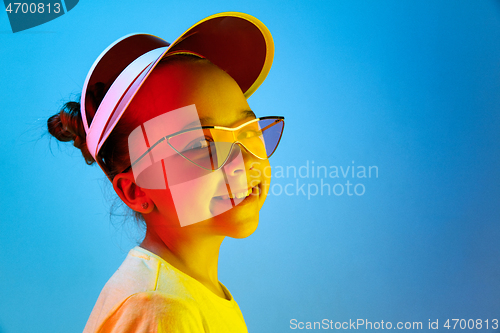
(233, 129)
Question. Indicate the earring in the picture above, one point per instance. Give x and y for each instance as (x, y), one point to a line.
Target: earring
(145, 205)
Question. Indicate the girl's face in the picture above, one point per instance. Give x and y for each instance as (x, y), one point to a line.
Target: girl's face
(195, 199)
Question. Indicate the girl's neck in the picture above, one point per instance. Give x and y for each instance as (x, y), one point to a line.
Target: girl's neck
(196, 256)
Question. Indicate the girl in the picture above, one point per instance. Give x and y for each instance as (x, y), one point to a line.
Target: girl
(171, 128)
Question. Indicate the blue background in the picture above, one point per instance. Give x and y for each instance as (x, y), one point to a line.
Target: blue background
(412, 87)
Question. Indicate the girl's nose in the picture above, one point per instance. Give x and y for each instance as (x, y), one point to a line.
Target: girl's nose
(238, 157)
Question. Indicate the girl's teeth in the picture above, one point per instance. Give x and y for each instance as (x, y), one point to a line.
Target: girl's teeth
(237, 195)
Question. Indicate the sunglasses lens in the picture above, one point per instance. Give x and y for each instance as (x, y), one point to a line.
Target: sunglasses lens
(199, 147)
(271, 133)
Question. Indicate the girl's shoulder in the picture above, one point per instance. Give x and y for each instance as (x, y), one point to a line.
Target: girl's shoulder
(134, 286)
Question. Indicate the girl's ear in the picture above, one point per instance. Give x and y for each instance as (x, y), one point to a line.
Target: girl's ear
(131, 194)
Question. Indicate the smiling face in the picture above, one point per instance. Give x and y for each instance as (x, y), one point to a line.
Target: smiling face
(223, 202)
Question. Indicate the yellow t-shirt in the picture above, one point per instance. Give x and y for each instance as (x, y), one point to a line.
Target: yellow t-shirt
(147, 294)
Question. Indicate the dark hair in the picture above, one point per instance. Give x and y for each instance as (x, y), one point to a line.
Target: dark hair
(67, 126)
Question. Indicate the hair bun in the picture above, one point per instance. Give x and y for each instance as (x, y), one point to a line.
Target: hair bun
(67, 126)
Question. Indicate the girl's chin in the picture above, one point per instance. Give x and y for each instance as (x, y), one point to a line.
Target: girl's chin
(238, 218)
(238, 229)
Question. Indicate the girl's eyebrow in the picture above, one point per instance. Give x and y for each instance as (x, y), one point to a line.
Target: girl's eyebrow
(249, 113)
(208, 120)
(246, 113)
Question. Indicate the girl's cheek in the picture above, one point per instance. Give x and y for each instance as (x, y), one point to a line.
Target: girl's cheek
(265, 171)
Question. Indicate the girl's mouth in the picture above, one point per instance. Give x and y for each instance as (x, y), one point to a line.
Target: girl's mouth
(241, 194)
